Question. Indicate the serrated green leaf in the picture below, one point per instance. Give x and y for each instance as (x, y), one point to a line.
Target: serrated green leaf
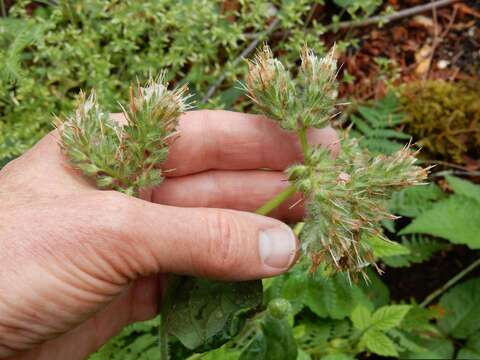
(379, 343)
(273, 341)
(314, 334)
(208, 313)
(334, 296)
(376, 291)
(461, 305)
(361, 317)
(279, 339)
(418, 320)
(464, 187)
(382, 248)
(415, 200)
(429, 348)
(456, 218)
(388, 317)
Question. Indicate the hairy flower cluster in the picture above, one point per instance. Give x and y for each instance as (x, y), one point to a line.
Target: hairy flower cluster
(346, 196)
(304, 101)
(124, 157)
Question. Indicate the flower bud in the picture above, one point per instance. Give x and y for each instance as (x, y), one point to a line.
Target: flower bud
(279, 308)
(89, 169)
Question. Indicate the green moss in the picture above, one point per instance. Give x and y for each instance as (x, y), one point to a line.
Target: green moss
(444, 118)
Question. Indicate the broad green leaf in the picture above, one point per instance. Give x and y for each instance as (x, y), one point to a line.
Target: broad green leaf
(379, 343)
(279, 338)
(471, 350)
(382, 248)
(462, 309)
(334, 296)
(456, 219)
(290, 286)
(274, 341)
(418, 319)
(256, 349)
(388, 317)
(208, 313)
(376, 291)
(464, 187)
(430, 348)
(361, 317)
(415, 200)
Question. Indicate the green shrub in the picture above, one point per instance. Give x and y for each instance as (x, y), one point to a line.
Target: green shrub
(49, 56)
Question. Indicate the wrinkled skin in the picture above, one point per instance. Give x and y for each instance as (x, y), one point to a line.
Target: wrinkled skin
(77, 264)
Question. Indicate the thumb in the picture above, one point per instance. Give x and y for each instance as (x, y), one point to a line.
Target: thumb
(213, 243)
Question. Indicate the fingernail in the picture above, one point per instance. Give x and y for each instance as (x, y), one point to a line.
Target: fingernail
(277, 247)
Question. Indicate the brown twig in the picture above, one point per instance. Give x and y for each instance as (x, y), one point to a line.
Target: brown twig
(387, 18)
(450, 283)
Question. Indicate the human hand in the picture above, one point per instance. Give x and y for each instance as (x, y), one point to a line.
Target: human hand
(77, 264)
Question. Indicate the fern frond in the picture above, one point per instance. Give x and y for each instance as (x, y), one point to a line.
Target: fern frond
(376, 124)
(422, 248)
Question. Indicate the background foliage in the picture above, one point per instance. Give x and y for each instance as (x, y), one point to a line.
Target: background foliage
(49, 50)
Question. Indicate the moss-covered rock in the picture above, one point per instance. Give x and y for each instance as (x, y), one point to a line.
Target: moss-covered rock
(444, 118)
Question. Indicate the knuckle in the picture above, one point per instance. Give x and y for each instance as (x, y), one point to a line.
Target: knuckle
(223, 248)
(116, 210)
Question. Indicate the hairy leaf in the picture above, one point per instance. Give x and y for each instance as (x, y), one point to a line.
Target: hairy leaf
(456, 218)
(379, 343)
(334, 296)
(429, 348)
(415, 200)
(388, 317)
(208, 313)
(361, 317)
(382, 248)
(464, 187)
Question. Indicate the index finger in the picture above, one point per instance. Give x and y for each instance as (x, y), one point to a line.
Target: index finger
(226, 140)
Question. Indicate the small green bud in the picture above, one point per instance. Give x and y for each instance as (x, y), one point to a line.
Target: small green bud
(279, 308)
(77, 155)
(104, 182)
(89, 169)
(297, 172)
(339, 343)
(304, 185)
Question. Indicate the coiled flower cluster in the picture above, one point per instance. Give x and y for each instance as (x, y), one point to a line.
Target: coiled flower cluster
(345, 196)
(124, 157)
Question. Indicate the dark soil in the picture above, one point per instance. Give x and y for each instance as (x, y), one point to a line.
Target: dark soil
(419, 280)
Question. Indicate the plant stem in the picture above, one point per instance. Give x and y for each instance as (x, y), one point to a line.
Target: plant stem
(387, 18)
(172, 284)
(298, 228)
(302, 136)
(272, 204)
(3, 9)
(450, 283)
